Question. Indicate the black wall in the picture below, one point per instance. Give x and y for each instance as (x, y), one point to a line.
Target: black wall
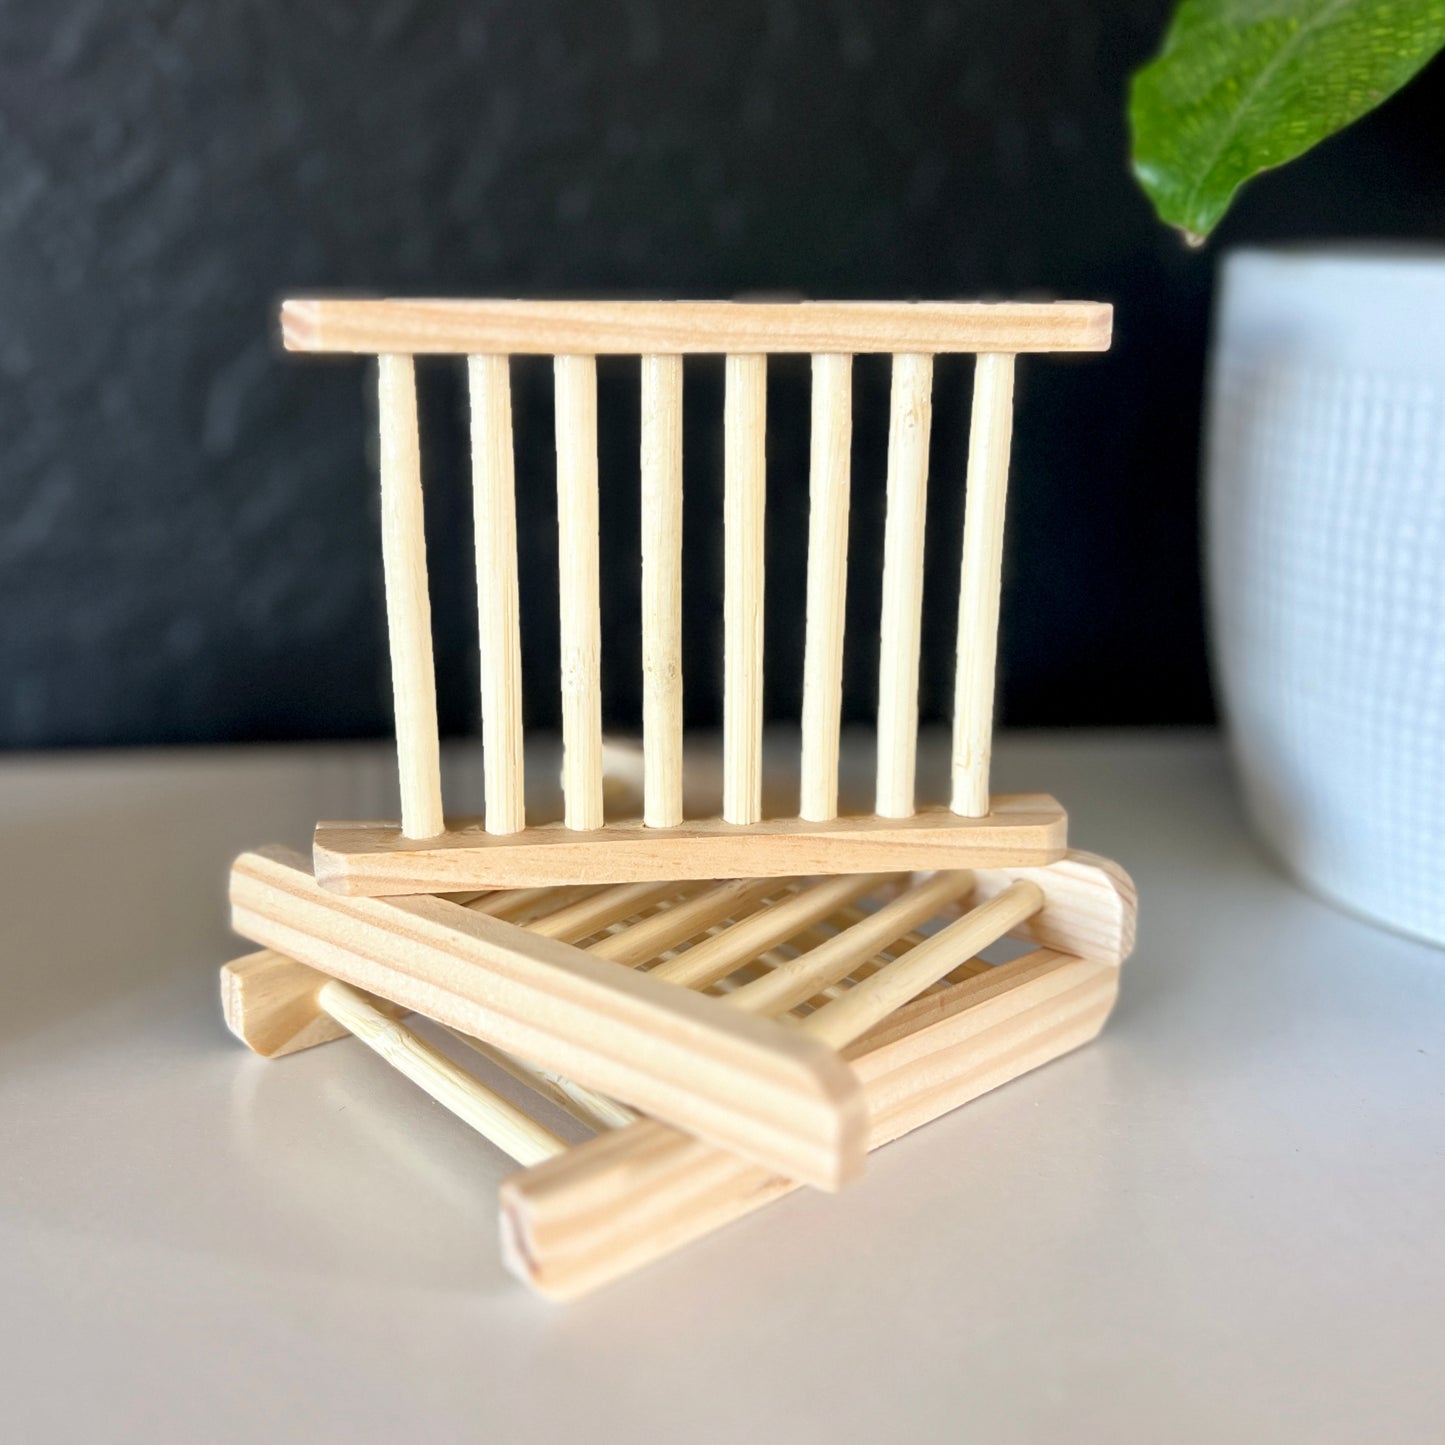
(188, 546)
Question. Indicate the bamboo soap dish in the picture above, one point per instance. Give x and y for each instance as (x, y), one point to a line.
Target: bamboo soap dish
(424, 853)
(877, 975)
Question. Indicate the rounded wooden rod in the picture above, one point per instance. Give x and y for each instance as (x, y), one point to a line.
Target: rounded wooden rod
(587, 1106)
(714, 958)
(650, 937)
(495, 1118)
(494, 512)
(847, 916)
(910, 423)
(662, 590)
(580, 609)
(990, 433)
(408, 605)
(829, 471)
(744, 501)
(871, 1001)
(801, 977)
(517, 905)
(592, 914)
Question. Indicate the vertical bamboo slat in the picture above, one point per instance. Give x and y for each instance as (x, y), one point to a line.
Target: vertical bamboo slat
(978, 603)
(409, 612)
(662, 590)
(909, 426)
(494, 511)
(408, 607)
(580, 603)
(745, 416)
(829, 473)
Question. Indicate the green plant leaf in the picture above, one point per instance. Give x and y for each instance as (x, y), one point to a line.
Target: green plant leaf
(1244, 85)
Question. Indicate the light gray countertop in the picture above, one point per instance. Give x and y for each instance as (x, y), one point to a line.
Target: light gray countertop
(1221, 1222)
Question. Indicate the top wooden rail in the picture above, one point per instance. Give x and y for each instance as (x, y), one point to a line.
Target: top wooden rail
(548, 328)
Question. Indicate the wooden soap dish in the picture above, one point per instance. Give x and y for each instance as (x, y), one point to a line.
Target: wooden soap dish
(880, 976)
(421, 854)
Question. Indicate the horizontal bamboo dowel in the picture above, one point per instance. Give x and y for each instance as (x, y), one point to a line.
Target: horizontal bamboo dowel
(599, 910)
(980, 582)
(826, 615)
(744, 501)
(408, 605)
(716, 957)
(845, 917)
(909, 429)
(494, 511)
(580, 605)
(587, 1106)
(518, 905)
(497, 1119)
(662, 590)
(802, 977)
(871, 1001)
(650, 937)
(640, 327)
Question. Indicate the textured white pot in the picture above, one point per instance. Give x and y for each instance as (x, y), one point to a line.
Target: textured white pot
(1325, 535)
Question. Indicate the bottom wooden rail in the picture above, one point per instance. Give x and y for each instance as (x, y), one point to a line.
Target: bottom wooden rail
(625, 1198)
(374, 859)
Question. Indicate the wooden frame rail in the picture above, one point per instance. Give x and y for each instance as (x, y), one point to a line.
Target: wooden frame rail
(643, 328)
(425, 854)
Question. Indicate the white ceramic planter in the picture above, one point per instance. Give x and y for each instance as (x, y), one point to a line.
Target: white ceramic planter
(1325, 536)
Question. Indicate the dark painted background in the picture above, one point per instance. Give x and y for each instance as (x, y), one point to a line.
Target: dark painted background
(188, 544)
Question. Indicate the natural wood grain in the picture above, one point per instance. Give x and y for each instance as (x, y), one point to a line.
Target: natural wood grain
(454, 327)
(408, 605)
(990, 432)
(367, 858)
(269, 1003)
(909, 428)
(496, 1119)
(745, 496)
(494, 512)
(1090, 908)
(713, 958)
(829, 473)
(662, 590)
(580, 606)
(629, 1197)
(747, 1084)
